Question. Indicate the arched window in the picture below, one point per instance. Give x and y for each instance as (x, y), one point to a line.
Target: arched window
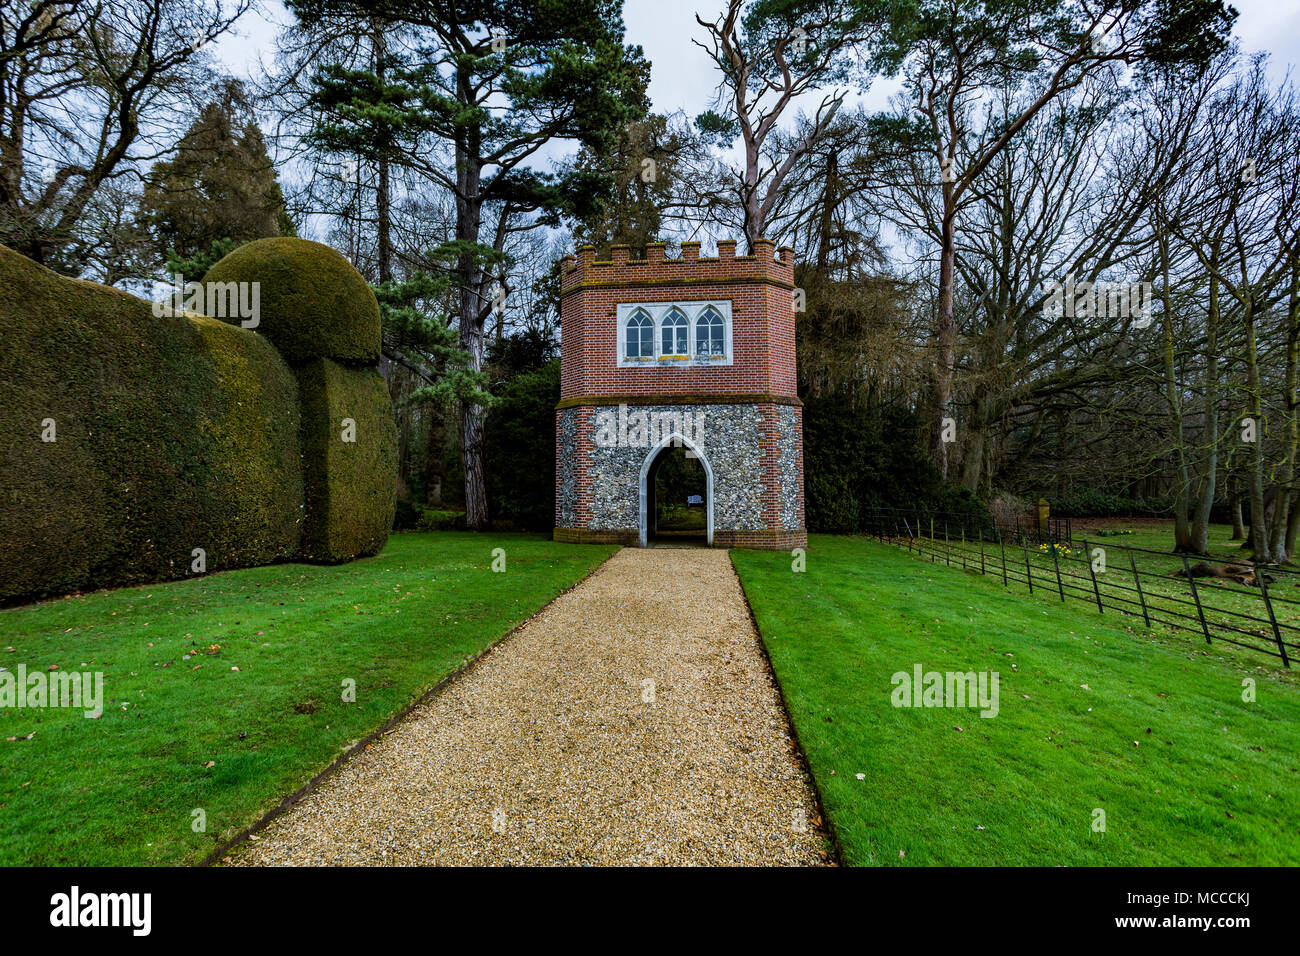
(709, 339)
(640, 336)
(673, 339)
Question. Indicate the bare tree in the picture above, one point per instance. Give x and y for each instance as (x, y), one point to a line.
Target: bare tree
(770, 55)
(86, 91)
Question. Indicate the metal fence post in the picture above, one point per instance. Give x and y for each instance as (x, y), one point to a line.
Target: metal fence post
(1138, 581)
(1277, 634)
(1002, 546)
(1087, 556)
(981, 550)
(1197, 598)
(1029, 575)
(1057, 562)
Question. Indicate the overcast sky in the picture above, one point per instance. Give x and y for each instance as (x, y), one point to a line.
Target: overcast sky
(683, 77)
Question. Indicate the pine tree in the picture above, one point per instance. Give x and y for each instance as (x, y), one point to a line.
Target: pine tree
(498, 81)
(218, 191)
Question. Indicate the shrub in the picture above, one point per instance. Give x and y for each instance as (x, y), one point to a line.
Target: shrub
(857, 459)
(351, 485)
(178, 432)
(519, 449)
(1090, 503)
(171, 433)
(829, 503)
(405, 515)
(438, 519)
(313, 303)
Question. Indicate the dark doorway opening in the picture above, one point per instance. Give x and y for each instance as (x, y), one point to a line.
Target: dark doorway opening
(677, 506)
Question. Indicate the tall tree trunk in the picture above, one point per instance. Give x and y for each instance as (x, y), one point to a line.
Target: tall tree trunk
(1292, 528)
(972, 462)
(383, 194)
(1173, 397)
(469, 275)
(434, 467)
(383, 198)
(829, 200)
(1283, 536)
(1260, 540)
(1200, 530)
(946, 338)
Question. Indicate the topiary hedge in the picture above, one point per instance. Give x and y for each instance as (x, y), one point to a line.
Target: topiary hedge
(169, 434)
(175, 432)
(313, 303)
(348, 437)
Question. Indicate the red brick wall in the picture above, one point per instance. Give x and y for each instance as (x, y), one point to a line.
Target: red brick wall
(762, 320)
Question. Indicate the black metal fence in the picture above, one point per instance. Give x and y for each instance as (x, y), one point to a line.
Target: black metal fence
(948, 525)
(1260, 617)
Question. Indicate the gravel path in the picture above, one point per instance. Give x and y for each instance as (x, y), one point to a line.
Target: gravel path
(634, 721)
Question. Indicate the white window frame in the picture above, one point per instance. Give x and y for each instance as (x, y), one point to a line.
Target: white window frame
(658, 311)
(685, 327)
(622, 344)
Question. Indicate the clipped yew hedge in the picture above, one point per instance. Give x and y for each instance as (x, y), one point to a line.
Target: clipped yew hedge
(349, 513)
(181, 432)
(313, 302)
(170, 433)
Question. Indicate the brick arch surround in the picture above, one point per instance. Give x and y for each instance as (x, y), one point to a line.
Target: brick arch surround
(741, 410)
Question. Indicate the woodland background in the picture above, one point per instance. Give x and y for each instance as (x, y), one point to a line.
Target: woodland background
(454, 151)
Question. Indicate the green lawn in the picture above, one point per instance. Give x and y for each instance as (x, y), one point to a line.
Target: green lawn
(1151, 729)
(257, 708)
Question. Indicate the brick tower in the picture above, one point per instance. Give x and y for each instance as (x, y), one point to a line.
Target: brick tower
(665, 353)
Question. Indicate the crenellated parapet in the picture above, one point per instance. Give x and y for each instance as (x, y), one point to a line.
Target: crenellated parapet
(768, 263)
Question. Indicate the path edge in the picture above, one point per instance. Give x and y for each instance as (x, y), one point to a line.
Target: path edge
(837, 848)
(294, 798)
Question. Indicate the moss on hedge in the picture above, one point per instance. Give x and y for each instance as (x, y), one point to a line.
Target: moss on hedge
(172, 433)
(351, 485)
(313, 303)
